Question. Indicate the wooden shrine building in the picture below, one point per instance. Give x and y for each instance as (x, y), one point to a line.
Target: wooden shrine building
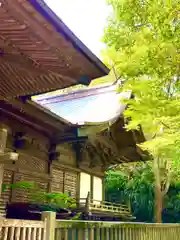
(61, 151)
(61, 155)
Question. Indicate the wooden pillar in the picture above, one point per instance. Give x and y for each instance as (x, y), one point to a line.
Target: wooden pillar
(50, 219)
(49, 187)
(88, 202)
(3, 141)
(78, 190)
(92, 187)
(103, 189)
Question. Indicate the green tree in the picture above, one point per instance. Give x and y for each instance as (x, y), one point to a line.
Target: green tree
(143, 45)
(134, 183)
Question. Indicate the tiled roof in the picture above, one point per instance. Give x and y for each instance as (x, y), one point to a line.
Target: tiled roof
(86, 107)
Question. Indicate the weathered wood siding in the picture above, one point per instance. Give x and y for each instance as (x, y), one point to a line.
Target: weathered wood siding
(24, 195)
(32, 166)
(64, 181)
(57, 180)
(66, 168)
(70, 183)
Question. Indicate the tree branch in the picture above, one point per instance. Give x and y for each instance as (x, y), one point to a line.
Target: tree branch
(164, 125)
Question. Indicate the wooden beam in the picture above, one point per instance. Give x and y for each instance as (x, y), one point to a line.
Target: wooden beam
(31, 124)
(72, 140)
(40, 113)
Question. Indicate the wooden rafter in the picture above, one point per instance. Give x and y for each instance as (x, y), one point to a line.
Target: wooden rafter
(34, 56)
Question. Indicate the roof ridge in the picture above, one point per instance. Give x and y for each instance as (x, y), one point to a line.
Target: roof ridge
(79, 93)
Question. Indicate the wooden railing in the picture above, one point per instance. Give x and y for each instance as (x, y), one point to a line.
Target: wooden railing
(12, 229)
(107, 206)
(92, 205)
(51, 229)
(79, 230)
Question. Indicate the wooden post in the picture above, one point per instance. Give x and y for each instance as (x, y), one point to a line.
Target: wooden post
(88, 205)
(103, 190)
(92, 188)
(78, 191)
(50, 218)
(88, 202)
(3, 141)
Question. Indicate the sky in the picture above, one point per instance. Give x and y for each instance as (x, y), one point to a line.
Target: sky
(86, 18)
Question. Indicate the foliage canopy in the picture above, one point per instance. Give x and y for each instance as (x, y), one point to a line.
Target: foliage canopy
(144, 47)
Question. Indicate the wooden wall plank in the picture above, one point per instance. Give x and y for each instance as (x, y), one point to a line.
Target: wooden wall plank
(24, 195)
(57, 181)
(70, 184)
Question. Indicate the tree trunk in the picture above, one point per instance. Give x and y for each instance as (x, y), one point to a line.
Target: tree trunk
(158, 193)
(158, 204)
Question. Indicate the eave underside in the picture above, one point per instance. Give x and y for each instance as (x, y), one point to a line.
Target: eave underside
(34, 57)
(114, 146)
